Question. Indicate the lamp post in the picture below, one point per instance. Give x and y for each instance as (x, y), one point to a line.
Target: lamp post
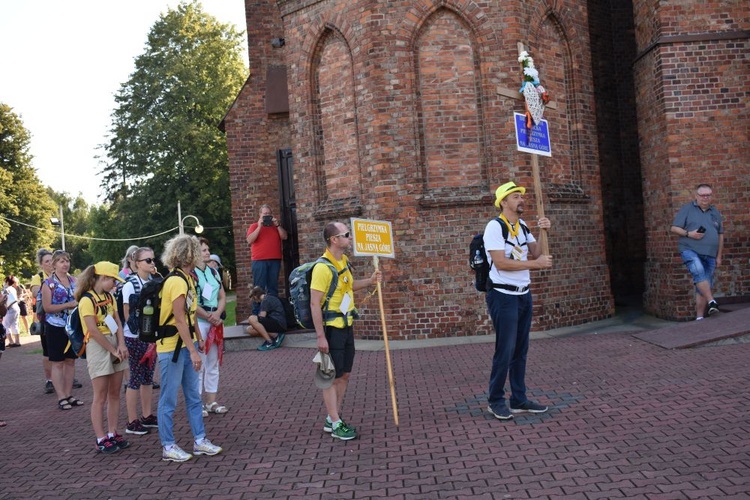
(181, 220)
(59, 222)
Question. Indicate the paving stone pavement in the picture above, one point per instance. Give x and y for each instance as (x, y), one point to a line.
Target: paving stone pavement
(630, 420)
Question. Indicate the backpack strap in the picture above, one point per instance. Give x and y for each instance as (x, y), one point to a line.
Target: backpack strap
(178, 346)
(328, 314)
(332, 286)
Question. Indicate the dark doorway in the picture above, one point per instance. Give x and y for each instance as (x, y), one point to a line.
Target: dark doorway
(613, 48)
(288, 204)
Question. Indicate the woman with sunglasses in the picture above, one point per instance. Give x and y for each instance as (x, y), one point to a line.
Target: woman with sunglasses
(58, 300)
(141, 380)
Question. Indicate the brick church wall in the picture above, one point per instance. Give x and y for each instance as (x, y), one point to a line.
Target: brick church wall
(253, 137)
(691, 77)
(401, 112)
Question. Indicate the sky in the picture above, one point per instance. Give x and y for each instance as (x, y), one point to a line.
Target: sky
(63, 62)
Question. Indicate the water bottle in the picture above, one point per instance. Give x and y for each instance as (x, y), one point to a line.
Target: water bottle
(147, 319)
(478, 260)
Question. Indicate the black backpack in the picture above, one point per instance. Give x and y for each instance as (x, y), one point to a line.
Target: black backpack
(478, 261)
(132, 301)
(150, 295)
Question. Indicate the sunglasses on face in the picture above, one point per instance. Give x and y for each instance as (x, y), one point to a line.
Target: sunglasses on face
(147, 261)
(345, 235)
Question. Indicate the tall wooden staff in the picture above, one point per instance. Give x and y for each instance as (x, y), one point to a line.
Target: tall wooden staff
(387, 350)
(537, 182)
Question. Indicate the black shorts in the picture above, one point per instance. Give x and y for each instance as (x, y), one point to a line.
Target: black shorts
(57, 341)
(271, 325)
(341, 348)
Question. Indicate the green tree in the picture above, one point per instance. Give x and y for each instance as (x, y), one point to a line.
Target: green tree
(164, 143)
(76, 213)
(24, 203)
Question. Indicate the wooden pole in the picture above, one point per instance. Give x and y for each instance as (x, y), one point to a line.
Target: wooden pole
(387, 350)
(543, 240)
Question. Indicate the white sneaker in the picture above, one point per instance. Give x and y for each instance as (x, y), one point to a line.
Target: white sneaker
(206, 447)
(204, 410)
(175, 454)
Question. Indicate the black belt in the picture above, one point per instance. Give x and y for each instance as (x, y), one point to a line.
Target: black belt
(510, 288)
(210, 309)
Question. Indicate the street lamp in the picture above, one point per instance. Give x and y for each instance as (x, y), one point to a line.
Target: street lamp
(181, 221)
(59, 222)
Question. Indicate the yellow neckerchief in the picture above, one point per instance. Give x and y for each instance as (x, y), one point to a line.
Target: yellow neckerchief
(512, 231)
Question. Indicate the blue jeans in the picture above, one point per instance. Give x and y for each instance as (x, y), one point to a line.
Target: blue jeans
(174, 375)
(701, 267)
(511, 317)
(266, 275)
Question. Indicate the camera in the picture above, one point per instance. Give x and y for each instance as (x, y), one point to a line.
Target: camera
(701, 229)
(268, 220)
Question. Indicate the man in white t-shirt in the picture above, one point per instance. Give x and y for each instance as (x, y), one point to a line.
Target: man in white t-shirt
(513, 252)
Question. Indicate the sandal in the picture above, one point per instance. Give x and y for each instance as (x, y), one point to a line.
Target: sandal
(74, 402)
(216, 408)
(64, 405)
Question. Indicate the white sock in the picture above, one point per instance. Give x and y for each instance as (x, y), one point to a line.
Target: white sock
(110, 435)
(334, 425)
(699, 318)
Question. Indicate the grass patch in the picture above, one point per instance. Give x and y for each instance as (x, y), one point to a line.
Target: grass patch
(231, 312)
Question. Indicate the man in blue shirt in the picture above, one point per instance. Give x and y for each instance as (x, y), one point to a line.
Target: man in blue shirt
(701, 243)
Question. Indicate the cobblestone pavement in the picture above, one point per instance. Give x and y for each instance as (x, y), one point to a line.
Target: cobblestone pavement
(630, 420)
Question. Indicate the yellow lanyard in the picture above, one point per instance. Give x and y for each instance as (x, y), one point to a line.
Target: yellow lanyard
(512, 231)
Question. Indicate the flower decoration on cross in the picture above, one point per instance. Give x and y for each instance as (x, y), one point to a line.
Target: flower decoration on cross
(535, 95)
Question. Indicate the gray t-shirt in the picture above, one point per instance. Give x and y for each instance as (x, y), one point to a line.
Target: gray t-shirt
(691, 217)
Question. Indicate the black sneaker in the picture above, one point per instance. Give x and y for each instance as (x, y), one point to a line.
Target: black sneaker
(136, 427)
(528, 406)
(107, 446)
(500, 412)
(48, 387)
(713, 308)
(77, 384)
(155, 386)
(149, 421)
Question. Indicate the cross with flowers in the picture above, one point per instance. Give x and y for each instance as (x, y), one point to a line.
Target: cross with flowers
(535, 95)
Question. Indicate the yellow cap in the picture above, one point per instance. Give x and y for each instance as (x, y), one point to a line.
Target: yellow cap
(108, 269)
(505, 190)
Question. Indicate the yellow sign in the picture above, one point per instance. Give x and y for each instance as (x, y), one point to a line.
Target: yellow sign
(372, 237)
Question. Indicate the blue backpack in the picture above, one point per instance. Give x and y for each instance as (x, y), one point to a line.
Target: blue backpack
(77, 340)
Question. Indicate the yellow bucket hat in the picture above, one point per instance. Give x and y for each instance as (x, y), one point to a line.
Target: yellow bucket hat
(505, 190)
(108, 269)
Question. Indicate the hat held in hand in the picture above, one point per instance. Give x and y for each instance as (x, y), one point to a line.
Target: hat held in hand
(325, 372)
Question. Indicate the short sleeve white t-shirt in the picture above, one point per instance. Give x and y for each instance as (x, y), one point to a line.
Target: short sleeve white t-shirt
(493, 240)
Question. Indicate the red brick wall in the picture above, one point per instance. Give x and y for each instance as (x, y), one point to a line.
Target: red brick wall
(253, 137)
(691, 87)
(423, 141)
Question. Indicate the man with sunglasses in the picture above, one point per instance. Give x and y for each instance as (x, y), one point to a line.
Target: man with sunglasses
(701, 243)
(333, 320)
(513, 252)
